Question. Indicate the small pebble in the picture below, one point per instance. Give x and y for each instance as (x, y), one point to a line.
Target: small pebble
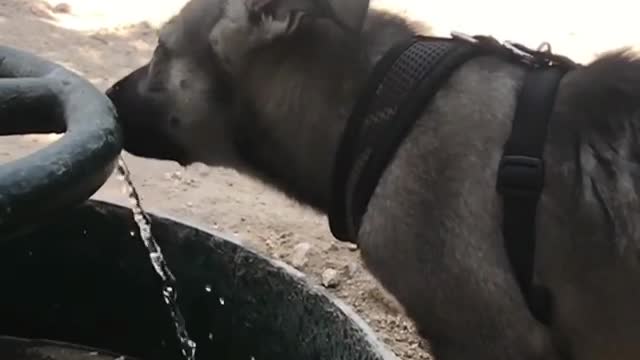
(62, 8)
(352, 247)
(352, 268)
(41, 10)
(300, 255)
(330, 278)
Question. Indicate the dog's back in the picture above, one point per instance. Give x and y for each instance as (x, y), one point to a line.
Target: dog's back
(433, 233)
(590, 228)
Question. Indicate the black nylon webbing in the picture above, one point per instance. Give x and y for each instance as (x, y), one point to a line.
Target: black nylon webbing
(348, 148)
(521, 176)
(401, 85)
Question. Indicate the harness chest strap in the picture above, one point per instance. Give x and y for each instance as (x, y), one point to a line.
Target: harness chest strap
(401, 86)
(521, 179)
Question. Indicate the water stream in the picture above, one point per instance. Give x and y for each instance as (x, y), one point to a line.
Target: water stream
(169, 291)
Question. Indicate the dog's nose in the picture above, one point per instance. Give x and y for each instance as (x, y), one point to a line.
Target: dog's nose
(127, 84)
(125, 96)
(110, 91)
(143, 117)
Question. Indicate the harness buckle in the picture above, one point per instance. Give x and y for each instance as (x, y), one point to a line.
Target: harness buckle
(463, 36)
(522, 52)
(520, 175)
(535, 58)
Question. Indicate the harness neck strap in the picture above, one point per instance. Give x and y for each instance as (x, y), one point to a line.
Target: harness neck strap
(400, 86)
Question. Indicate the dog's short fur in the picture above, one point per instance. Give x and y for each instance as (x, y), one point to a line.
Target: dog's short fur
(265, 86)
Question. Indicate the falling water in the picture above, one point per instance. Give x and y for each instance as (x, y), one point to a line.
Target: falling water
(169, 291)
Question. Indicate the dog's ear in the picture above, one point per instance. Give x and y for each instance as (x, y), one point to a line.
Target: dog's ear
(348, 14)
(249, 24)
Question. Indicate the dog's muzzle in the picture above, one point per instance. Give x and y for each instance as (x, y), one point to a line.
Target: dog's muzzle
(143, 117)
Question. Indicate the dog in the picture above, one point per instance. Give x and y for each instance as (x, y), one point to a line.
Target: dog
(266, 87)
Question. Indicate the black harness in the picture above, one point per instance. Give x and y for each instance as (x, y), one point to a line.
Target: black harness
(400, 87)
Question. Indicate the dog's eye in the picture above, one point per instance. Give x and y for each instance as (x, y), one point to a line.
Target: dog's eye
(174, 121)
(161, 49)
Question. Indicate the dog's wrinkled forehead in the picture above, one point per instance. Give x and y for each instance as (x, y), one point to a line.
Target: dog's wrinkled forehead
(192, 24)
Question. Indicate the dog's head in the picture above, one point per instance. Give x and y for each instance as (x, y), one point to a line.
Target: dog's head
(180, 105)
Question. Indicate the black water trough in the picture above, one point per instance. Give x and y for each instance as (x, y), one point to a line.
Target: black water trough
(76, 278)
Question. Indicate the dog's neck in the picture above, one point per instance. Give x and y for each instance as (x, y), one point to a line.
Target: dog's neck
(296, 98)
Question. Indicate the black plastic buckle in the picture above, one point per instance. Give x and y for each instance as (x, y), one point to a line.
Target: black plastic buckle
(520, 175)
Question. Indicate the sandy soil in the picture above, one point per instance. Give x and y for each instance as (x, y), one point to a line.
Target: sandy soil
(104, 40)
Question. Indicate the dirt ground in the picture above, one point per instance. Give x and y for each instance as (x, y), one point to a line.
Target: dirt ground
(104, 40)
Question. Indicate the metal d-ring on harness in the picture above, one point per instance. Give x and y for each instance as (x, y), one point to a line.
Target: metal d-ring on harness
(401, 86)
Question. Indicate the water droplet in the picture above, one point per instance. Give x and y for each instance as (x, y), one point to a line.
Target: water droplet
(210, 336)
(221, 301)
(207, 288)
(132, 233)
